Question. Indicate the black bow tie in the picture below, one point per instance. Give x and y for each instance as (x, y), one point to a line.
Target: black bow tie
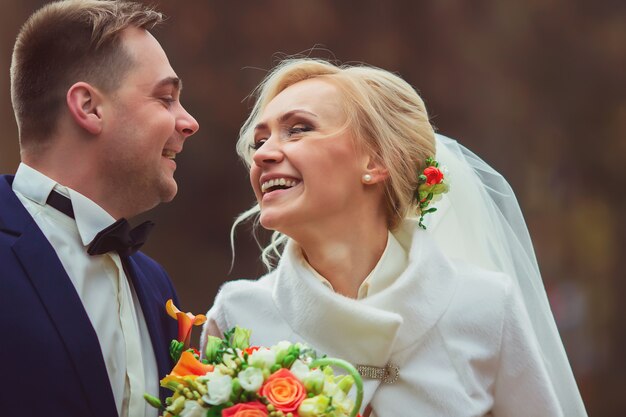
(118, 237)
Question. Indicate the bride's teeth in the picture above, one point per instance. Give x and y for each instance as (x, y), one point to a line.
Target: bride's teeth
(276, 182)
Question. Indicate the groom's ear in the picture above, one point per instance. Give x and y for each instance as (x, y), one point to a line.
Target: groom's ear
(84, 103)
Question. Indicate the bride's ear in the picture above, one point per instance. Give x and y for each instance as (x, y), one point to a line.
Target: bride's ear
(375, 172)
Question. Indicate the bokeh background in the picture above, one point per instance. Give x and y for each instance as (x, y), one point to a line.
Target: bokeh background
(535, 87)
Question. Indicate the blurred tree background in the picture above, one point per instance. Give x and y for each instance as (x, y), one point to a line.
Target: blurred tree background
(534, 87)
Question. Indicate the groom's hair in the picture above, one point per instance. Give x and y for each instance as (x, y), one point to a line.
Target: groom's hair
(65, 42)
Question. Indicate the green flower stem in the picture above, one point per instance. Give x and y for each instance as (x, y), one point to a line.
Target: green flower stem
(347, 366)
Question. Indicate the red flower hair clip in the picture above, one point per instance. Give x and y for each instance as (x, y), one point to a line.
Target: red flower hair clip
(430, 183)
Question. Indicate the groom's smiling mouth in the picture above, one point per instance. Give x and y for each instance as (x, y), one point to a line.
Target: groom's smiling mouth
(169, 154)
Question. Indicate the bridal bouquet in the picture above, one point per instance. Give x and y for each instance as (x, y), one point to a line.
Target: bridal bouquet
(235, 379)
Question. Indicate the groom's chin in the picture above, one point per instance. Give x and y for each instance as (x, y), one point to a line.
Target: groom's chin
(168, 191)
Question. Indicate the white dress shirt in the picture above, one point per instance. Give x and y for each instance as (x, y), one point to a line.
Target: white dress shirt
(107, 295)
(392, 262)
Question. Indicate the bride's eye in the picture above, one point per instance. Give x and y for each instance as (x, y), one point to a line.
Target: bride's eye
(299, 128)
(257, 144)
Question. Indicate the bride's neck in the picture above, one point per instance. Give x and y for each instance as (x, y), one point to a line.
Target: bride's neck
(346, 259)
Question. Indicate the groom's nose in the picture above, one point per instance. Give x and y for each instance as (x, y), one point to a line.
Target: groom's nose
(186, 124)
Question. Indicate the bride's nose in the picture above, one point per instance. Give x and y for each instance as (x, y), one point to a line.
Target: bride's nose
(268, 153)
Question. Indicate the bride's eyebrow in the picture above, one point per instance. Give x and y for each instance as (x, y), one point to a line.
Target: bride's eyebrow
(285, 117)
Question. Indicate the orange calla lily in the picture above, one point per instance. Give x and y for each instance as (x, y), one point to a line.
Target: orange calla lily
(189, 365)
(185, 322)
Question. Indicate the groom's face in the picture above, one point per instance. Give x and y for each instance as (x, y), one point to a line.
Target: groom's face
(147, 124)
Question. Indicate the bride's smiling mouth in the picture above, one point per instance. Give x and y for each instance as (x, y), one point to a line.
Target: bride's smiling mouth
(277, 184)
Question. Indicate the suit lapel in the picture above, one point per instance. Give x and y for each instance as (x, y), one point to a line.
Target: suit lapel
(58, 295)
(152, 307)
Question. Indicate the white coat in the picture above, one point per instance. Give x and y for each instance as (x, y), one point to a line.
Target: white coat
(460, 335)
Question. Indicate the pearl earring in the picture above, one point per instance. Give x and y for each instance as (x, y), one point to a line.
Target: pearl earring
(367, 178)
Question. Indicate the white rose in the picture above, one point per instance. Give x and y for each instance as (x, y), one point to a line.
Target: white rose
(262, 358)
(219, 389)
(193, 409)
(251, 379)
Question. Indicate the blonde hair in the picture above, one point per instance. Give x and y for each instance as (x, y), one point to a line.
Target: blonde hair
(385, 115)
(65, 42)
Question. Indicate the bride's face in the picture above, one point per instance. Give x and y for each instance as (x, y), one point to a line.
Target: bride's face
(306, 171)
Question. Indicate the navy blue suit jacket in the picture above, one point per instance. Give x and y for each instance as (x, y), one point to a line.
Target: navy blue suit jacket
(50, 357)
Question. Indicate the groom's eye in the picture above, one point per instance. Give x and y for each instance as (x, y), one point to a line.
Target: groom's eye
(168, 100)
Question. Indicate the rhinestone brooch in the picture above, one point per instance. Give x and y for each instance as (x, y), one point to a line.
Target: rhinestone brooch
(387, 374)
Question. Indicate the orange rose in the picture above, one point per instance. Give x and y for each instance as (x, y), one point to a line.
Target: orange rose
(433, 175)
(284, 391)
(253, 409)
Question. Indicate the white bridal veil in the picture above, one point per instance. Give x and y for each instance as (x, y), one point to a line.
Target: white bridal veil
(479, 220)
